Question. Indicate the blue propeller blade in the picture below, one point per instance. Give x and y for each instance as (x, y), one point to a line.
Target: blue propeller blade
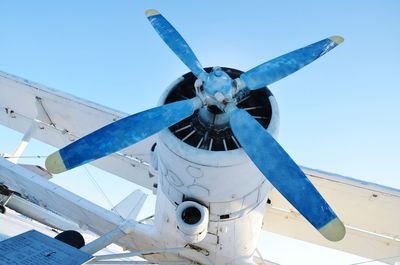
(282, 66)
(120, 134)
(175, 42)
(277, 166)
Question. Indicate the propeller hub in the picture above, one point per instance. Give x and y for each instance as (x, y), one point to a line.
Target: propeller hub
(218, 85)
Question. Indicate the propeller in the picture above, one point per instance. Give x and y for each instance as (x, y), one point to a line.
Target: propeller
(175, 42)
(282, 66)
(284, 174)
(220, 91)
(120, 134)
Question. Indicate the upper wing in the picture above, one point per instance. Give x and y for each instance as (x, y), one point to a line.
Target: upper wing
(59, 118)
(369, 211)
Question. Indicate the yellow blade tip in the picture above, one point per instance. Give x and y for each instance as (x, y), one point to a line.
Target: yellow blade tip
(55, 164)
(337, 39)
(334, 230)
(151, 12)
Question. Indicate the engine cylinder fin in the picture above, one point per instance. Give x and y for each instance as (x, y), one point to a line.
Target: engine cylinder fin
(236, 142)
(243, 99)
(253, 108)
(200, 142)
(187, 136)
(183, 128)
(211, 144)
(225, 147)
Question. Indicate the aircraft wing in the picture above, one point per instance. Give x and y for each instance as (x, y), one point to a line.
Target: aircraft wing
(58, 118)
(44, 194)
(370, 212)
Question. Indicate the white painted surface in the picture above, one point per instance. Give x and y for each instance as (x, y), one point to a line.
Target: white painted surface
(99, 220)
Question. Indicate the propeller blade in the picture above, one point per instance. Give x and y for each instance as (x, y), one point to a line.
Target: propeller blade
(175, 42)
(283, 173)
(282, 66)
(120, 134)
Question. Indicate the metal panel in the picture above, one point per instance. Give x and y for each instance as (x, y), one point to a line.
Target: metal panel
(36, 248)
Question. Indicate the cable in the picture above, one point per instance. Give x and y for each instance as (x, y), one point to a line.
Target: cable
(92, 179)
(32, 156)
(98, 187)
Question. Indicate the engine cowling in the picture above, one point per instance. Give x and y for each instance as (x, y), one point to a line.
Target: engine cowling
(201, 151)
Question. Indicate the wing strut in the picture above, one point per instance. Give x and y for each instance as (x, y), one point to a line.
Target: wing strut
(41, 116)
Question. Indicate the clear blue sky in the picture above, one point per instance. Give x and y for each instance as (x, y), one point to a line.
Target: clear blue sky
(339, 114)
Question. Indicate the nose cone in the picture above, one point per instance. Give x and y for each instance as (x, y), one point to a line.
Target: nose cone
(218, 73)
(218, 81)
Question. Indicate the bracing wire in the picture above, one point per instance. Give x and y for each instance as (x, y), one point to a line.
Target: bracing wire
(30, 156)
(92, 179)
(99, 189)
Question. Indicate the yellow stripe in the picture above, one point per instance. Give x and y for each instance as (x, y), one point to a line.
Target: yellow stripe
(337, 39)
(151, 12)
(55, 164)
(334, 230)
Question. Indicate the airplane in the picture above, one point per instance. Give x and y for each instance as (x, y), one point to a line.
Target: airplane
(209, 151)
